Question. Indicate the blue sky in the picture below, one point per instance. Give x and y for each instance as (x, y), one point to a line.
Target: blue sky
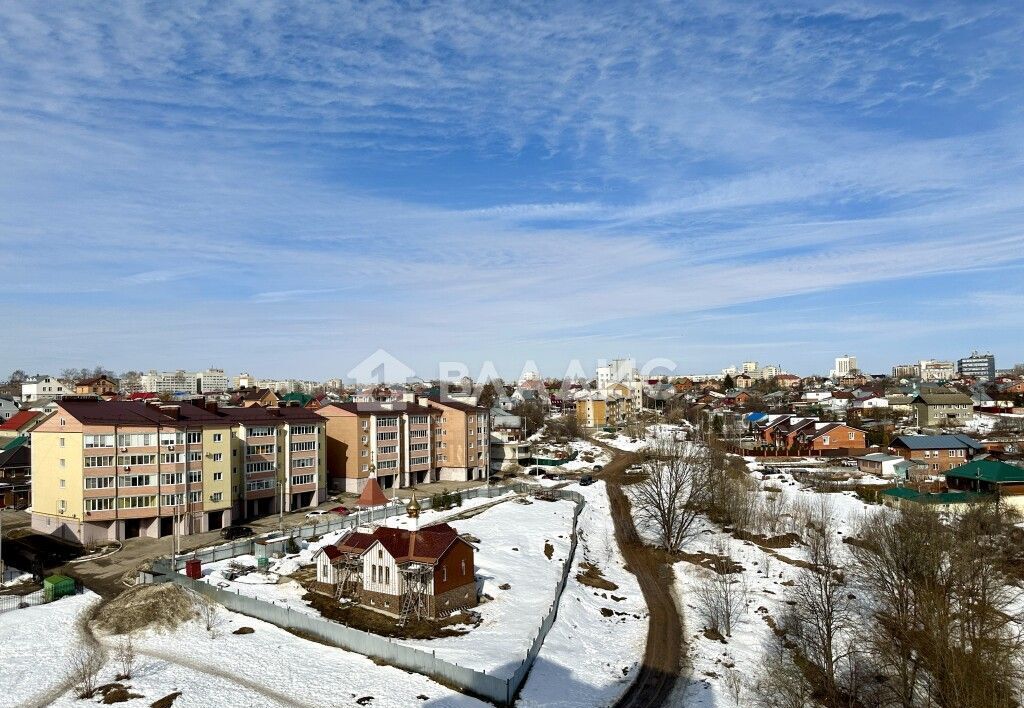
(284, 188)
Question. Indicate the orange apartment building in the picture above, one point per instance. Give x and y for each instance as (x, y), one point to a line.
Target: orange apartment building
(404, 443)
(109, 470)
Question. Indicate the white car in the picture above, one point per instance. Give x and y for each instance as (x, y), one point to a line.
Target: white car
(317, 514)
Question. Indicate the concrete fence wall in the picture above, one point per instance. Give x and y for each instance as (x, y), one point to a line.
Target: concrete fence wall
(501, 691)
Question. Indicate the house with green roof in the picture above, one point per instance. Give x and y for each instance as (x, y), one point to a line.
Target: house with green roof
(989, 477)
(946, 501)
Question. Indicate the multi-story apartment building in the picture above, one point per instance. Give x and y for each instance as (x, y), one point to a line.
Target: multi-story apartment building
(404, 443)
(906, 371)
(393, 442)
(168, 381)
(461, 439)
(844, 365)
(119, 469)
(977, 366)
(934, 370)
(42, 387)
(592, 409)
(211, 381)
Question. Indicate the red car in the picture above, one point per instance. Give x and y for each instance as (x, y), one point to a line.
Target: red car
(340, 510)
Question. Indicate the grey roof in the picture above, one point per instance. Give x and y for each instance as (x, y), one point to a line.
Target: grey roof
(943, 398)
(880, 457)
(937, 442)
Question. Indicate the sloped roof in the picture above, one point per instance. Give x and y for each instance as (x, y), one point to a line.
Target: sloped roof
(936, 442)
(425, 545)
(943, 398)
(15, 443)
(989, 471)
(372, 495)
(19, 420)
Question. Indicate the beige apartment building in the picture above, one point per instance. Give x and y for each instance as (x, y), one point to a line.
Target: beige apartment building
(110, 470)
(404, 443)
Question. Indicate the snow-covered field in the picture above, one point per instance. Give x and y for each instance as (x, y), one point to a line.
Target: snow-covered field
(34, 645)
(716, 665)
(511, 551)
(583, 447)
(589, 659)
(13, 576)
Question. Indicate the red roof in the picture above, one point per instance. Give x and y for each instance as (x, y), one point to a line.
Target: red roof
(19, 420)
(372, 495)
(141, 396)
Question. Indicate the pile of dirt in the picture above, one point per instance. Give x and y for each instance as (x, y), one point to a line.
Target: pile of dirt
(592, 577)
(143, 607)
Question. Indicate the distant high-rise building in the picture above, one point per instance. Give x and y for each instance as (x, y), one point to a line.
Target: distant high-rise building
(749, 367)
(906, 371)
(211, 381)
(844, 365)
(935, 370)
(977, 366)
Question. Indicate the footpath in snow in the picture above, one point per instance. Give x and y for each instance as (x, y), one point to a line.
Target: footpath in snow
(594, 648)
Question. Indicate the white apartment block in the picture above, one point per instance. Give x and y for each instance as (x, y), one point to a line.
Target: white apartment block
(844, 365)
(934, 370)
(211, 381)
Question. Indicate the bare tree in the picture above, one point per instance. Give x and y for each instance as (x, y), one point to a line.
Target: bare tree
(674, 493)
(209, 613)
(822, 614)
(721, 593)
(83, 666)
(125, 657)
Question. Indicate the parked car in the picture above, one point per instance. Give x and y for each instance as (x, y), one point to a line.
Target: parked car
(586, 480)
(230, 533)
(341, 510)
(317, 514)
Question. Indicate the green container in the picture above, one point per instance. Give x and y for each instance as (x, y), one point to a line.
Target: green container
(262, 562)
(58, 586)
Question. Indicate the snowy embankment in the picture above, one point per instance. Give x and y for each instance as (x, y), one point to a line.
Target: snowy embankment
(29, 635)
(590, 656)
(660, 432)
(723, 669)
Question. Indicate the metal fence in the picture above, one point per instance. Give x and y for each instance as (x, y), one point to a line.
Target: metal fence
(468, 680)
(247, 546)
(19, 602)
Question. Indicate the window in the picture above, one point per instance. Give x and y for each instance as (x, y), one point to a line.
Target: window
(366, 424)
(259, 431)
(194, 438)
(852, 435)
(387, 464)
(387, 422)
(251, 467)
(366, 468)
(303, 462)
(99, 482)
(387, 450)
(824, 440)
(130, 460)
(99, 441)
(365, 453)
(363, 440)
(171, 438)
(62, 421)
(171, 458)
(260, 449)
(135, 480)
(419, 460)
(104, 461)
(418, 433)
(217, 496)
(304, 446)
(62, 506)
(61, 461)
(387, 436)
(420, 419)
(60, 442)
(103, 504)
(444, 573)
(136, 502)
(172, 478)
(415, 447)
(463, 567)
(195, 476)
(217, 456)
(304, 479)
(217, 437)
(136, 439)
(387, 575)
(218, 476)
(195, 456)
(259, 484)
(303, 430)
(63, 484)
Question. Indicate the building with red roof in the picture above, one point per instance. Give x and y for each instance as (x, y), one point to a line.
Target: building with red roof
(429, 572)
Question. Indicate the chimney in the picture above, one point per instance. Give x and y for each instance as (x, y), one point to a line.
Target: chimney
(171, 411)
(210, 406)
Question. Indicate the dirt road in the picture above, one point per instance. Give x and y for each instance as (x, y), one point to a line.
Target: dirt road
(663, 657)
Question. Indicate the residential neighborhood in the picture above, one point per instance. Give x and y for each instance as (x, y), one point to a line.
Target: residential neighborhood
(516, 354)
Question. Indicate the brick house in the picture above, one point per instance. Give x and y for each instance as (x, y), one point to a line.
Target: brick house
(829, 437)
(101, 385)
(395, 568)
(936, 454)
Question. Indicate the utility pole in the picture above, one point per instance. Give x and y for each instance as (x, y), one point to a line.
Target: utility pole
(3, 570)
